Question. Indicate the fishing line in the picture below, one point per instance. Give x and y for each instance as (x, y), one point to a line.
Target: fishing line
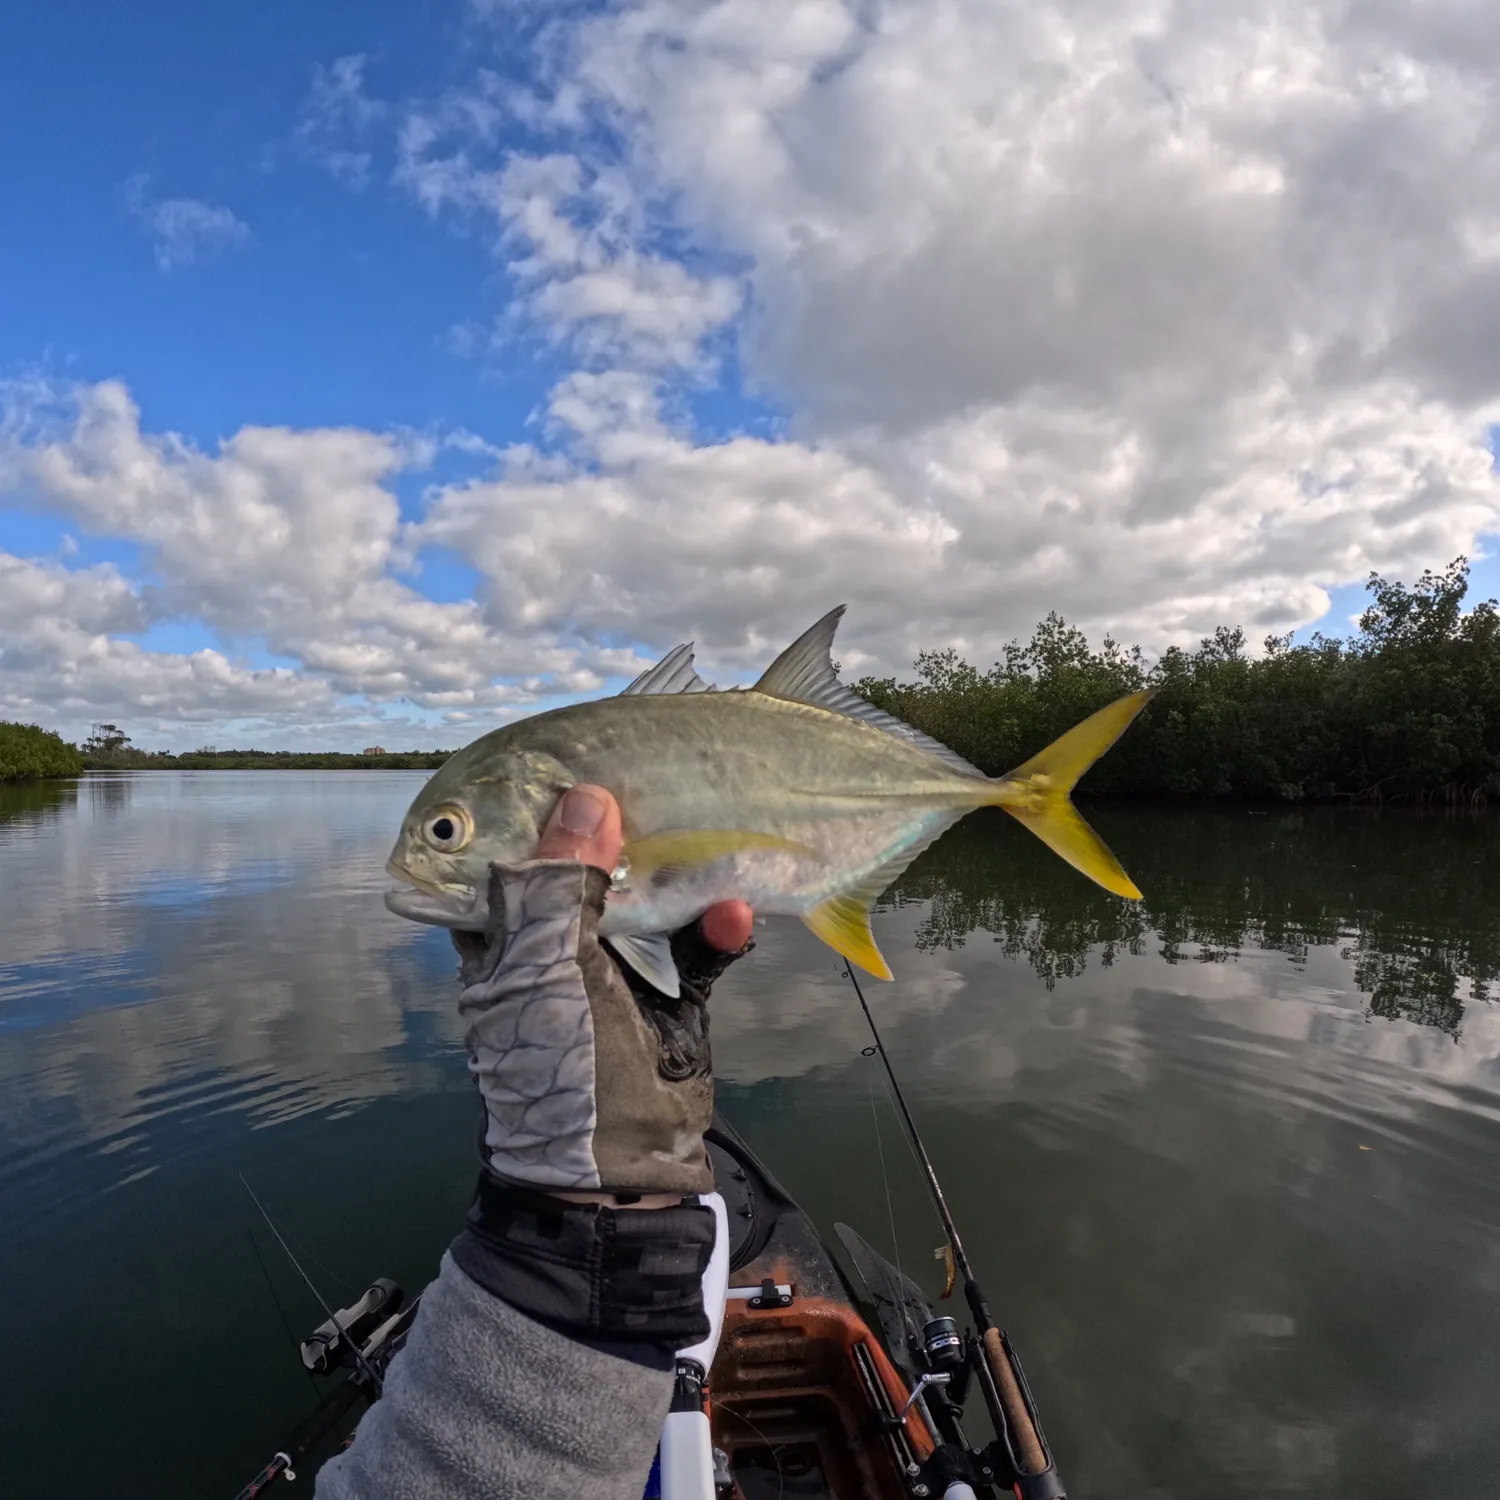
(774, 1449)
(998, 1376)
(885, 1181)
(359, 1354)
(911, 1150)
(280, 1310)
(914, 1138)
(332, 1275)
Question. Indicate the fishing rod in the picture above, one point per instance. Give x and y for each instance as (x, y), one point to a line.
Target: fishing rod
(332, 1412)
(365, 1367)
(360, 1339)
(1000, 1376)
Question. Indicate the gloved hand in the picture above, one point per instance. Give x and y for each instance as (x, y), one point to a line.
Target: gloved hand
(541, 1361)
(594, 1084)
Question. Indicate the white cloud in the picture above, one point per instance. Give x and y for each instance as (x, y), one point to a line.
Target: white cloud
(1161, 317)
(287, 539)
(338, 119)
(1164, 317)
(575, 238)
(182, 229)
(62, 663)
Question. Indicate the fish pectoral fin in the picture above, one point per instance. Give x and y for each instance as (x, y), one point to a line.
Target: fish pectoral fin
(686, 848)
(844, 924)
(650, 955)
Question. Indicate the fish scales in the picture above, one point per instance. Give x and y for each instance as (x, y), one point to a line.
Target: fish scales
(741, 760)
(674, 762)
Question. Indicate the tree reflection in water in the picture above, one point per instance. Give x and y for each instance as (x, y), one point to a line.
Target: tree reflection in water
(1410, 899)
(27, 803)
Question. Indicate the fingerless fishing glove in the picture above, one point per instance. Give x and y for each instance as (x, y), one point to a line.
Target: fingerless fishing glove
(590, 1077)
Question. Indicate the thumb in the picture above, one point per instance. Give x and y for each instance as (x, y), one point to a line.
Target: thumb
(585, 825)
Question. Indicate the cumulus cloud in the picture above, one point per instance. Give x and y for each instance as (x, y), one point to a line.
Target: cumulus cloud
(182, 229)
(61, 660)
(1162, 317)
(288, 539)
(575, 237)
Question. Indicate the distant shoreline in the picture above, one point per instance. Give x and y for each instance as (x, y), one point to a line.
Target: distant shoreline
(396, 760)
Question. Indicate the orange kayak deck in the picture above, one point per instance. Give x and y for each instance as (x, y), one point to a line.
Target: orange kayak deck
(802, 1389)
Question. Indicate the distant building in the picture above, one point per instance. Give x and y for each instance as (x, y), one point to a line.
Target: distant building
(373, 750)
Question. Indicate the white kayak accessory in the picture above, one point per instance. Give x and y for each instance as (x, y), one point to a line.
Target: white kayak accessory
(687, 1454)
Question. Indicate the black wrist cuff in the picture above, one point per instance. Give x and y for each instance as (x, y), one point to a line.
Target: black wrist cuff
(587, 1270)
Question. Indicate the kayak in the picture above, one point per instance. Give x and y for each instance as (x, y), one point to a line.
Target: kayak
(828, 1379)
(805, 1384)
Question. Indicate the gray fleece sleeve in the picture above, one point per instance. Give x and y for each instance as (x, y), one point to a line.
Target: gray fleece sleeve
(484, 1403)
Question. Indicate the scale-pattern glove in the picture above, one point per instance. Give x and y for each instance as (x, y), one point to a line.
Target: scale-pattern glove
(591, 1079)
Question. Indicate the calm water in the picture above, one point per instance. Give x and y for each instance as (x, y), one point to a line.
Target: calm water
(1229, 1161)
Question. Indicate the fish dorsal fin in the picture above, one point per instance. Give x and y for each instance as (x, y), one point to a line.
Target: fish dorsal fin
(803, 673)
(674, 673)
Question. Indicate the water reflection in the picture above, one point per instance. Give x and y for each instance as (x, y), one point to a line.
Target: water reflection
(1193, 1141)
(109, 794)
(1230, 1157)
(1412, 901)
(185, 949)
(29, 804)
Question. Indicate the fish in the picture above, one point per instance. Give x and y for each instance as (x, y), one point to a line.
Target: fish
(794, 795)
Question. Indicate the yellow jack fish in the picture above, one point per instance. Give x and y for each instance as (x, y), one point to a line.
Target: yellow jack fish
(794, 795)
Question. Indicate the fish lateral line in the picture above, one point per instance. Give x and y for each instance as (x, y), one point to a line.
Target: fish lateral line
(689, 848)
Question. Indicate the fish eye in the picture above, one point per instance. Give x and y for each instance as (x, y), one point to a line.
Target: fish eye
(448, 829)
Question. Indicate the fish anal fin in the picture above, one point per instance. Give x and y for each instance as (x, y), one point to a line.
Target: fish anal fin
(847, 916)
(843, 922)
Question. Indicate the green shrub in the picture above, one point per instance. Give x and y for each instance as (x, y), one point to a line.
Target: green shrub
(27, 752)
(1408, 709)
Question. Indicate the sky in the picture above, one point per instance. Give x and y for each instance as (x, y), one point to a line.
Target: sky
(377, 373)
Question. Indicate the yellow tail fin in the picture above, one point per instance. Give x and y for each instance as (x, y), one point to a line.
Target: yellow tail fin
(1036, 793)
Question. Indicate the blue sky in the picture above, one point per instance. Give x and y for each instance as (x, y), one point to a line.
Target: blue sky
(384, 371)
(335, 307)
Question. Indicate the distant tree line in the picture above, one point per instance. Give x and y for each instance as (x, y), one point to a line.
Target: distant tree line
(1408, 709)
(28, 753)
(109, 748)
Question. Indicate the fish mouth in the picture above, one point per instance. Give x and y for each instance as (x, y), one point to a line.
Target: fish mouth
(418, 900)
